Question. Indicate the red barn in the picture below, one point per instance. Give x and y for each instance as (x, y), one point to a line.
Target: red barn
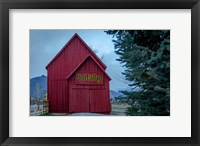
(77, 81)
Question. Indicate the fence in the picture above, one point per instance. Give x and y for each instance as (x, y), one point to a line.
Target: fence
(39, 107)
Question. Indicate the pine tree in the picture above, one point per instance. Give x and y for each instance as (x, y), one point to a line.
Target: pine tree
(146, 57)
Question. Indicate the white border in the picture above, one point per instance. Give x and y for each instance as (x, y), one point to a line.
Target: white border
(176, 125)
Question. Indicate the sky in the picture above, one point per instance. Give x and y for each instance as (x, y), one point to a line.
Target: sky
(45, 44)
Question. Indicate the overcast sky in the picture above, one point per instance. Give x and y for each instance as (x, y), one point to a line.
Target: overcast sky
(45, 44)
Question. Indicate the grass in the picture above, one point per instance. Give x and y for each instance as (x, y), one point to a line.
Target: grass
(119, 109)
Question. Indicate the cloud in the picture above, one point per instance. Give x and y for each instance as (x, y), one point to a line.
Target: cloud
(45, 44)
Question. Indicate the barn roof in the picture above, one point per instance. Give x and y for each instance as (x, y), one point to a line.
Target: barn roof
(72, 38)
(84, 60)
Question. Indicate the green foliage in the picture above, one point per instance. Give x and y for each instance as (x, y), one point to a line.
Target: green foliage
(146, 57)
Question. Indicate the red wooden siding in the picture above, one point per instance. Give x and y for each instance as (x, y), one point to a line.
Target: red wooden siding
(63, 93)
(79, 101)
(96, 97)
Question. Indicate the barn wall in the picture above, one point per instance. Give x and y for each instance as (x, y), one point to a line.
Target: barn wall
(101, 92)
(107, 86)
(60, 69)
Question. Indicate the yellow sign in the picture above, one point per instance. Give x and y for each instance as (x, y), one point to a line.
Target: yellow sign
(89, 78)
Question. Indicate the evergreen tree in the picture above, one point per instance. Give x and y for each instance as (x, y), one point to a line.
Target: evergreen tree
(146, 57)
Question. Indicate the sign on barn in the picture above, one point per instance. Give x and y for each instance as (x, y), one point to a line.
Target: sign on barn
(89, 78)
(77, 81)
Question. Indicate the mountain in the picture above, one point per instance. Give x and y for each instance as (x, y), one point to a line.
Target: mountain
(38, 87)
(114, 94)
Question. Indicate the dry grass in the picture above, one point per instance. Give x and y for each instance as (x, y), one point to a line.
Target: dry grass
(119, 109)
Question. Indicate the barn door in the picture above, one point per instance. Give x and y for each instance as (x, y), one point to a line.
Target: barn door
(79, 101)
(97, 101)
